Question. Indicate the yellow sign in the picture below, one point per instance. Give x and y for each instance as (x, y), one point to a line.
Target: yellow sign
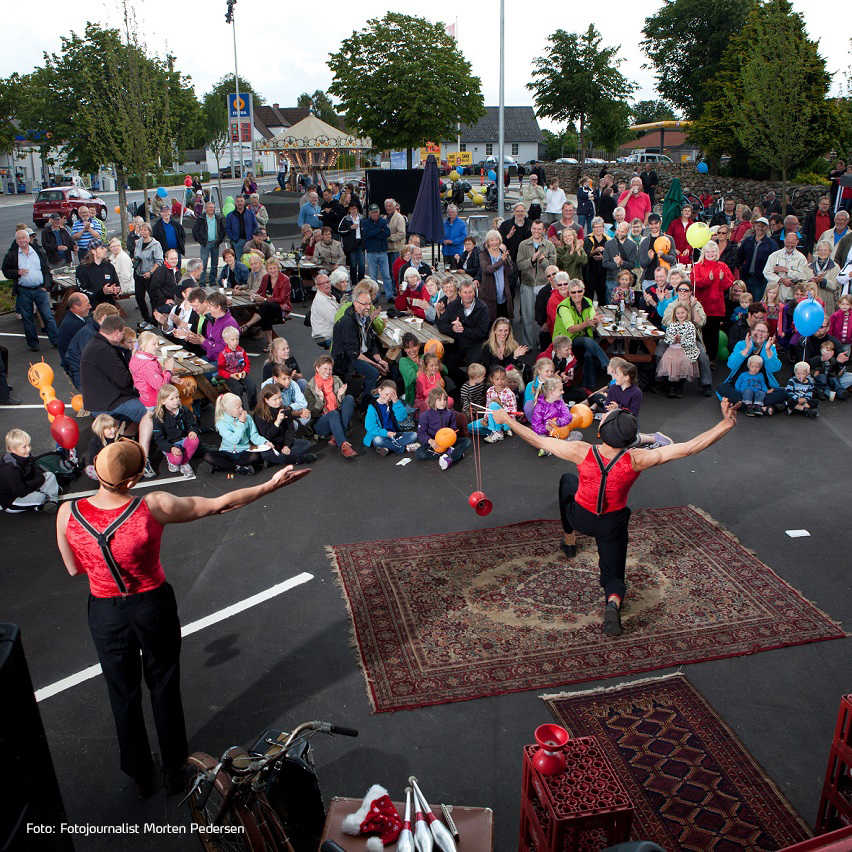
(430, 148)
(459, 158)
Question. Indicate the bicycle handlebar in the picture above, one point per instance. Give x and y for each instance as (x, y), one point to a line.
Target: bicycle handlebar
(345, 732)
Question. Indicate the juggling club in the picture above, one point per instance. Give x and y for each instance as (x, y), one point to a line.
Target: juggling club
(406, 839)
(441, 834)
(422, 835)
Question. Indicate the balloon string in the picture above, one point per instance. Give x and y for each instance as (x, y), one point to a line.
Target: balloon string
(477, 474)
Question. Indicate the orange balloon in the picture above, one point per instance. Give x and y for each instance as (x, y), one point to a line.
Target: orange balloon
(40, 374)
(47, 393)
(445, 438)
(433, 346)
(131, 226)
(77, 402)
(117, 209)
(663, 245)
(582, 416)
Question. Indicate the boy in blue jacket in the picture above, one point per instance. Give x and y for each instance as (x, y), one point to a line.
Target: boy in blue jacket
(381, 423)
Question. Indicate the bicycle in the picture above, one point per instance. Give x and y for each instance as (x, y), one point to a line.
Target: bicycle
(265, 799)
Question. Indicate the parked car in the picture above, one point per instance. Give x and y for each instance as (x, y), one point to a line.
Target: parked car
(66, 200)
(569, 160)
(645, 157)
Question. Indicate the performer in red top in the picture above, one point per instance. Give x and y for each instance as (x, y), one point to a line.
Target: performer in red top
(595, 503)
(114, 538)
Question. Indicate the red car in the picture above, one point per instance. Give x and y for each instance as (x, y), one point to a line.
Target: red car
(66, 200)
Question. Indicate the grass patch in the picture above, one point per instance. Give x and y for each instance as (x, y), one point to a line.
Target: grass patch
(7, 303)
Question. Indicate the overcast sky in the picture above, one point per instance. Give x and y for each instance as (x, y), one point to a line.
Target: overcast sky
(282, 48)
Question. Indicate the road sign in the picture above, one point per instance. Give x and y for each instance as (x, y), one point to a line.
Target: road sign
(239, 106)
(430, 148)
(459, 158)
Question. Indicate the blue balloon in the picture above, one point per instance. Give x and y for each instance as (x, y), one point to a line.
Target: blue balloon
(808, 317)
(492, 175)
(702, 168)
(161, 191)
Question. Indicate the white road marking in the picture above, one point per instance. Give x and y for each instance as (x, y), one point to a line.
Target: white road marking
(20, 334)
(187, 630)
(17, 407)
(145, 483)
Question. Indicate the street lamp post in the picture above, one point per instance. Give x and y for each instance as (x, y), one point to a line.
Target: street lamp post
(231, 19)
(501, 208)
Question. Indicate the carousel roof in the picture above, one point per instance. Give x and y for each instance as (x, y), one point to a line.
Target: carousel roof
(312, 133)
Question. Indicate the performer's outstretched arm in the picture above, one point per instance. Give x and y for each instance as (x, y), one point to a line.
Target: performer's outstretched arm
(573, 451)
(644, 459)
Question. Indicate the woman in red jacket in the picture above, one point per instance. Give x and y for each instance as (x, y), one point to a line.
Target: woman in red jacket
(677, 231)
(712, 278)
(272, 300)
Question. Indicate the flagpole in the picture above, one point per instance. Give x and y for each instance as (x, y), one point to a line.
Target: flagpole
(501, 207)
(458, 123)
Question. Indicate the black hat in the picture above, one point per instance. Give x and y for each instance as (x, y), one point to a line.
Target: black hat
(374, 207)
(95, 244)
(619, 430)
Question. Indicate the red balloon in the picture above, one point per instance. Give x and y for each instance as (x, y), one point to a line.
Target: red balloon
(56, 407)
(187, 181)
(65, 432)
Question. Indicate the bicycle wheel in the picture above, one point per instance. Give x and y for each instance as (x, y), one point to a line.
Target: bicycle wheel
(240, 832)
(270, 826)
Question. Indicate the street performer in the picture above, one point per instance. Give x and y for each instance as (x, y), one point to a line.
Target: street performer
(594, 501)
(114, 538)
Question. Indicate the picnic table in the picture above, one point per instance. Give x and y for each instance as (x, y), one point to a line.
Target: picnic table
(188, 364)
(634, 328)
(64, 277)
(396, 327)
(238, 300)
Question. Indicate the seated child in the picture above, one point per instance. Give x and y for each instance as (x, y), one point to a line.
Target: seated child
(826, 371)
(291, 393)
(564, 363)
(551, 416)
(175, 430)
(148, 375)
(243, 448)
(105, 430)
(498, 395)
(438, 416)
(800, 392)
(741, 309)
(234, 367)
(752, 386)
(621, 392)
(274, 421)
(279, 353)
(381, 422)
(23, 484)
(544, 369)
(428, 377)
(679, 363)
(473, 390)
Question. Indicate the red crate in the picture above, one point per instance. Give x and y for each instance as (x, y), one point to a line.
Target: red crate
(586, 807)
(835, 804)
(843, 730)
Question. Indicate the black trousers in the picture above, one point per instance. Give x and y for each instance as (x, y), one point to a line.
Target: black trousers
(608, 530)
(121, 627)
(140, 286)
(710, 333)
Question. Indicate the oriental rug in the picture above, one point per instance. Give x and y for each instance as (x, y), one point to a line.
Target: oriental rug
(692, 783)
(471, 614)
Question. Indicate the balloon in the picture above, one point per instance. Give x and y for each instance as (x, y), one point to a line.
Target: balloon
(161, 192)
(492, 175)
(702, 168)
(40, 374)
(445, 438)
(698, 234)
(453, 175)
(478, 200)
(723, 352)
(65, 432)
(56, 407)
(131, 226)
(433, 346)
(47, 393)
(480, 503)
(77, 402)
(808, 317)
(117, 209)
(582, 416)
(187, 181)
(229, 205)
(662, 245)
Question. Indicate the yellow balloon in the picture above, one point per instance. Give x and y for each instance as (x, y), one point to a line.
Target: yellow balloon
(698, 234)
(453, 175)
(478, 200)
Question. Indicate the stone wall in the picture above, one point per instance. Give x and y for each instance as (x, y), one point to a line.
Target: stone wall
(750, 192)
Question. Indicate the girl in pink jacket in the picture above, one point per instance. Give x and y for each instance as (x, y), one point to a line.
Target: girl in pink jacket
(148, 375)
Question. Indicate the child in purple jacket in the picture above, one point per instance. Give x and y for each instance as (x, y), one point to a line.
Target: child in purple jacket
(437, 416)
(551, 415)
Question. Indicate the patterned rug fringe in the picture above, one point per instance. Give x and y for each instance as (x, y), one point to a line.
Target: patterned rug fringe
(560, 696)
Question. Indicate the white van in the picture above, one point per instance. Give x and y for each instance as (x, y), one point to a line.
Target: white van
(645, 157)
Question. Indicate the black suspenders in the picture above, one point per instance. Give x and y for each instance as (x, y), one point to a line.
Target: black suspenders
(604, 469)
(103, 538)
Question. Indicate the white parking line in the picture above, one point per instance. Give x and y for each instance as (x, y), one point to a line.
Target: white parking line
(187, 630)
(146, 483)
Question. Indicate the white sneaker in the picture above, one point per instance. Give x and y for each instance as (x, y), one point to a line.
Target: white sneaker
(493, 438)
(445, 461)
(412, 448)
(832, 395)
(148, 472)
(173, 468)
(575, 435)
(509, 433)
(186, 470)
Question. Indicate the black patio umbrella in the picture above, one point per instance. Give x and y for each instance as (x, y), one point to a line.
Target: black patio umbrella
(426, 218)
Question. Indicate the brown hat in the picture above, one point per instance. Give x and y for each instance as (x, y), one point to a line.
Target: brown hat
(119, 462)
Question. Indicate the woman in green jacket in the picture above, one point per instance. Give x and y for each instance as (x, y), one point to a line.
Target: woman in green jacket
(570, 255)
(576, 318)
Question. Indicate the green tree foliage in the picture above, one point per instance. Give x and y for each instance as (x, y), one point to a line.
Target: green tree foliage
(609, 125)
(321, 106)
(685, 41)
(556, 145)
(399, 93)
(577, 79)
(647, 112)
(10, 98)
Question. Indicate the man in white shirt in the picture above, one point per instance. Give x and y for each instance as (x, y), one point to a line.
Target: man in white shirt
(555, 199)
(837, 233)
(323, 310)
(786, 267)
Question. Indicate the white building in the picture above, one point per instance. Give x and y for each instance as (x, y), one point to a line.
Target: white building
(521, 135)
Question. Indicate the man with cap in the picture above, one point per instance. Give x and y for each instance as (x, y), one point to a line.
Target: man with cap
(85, 230)
(594, 500)
(57, 242)
(131, 606)
(752, 255)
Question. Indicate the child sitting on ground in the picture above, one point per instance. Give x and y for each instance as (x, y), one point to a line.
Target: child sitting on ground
(621, 392)
(800, 392)
(381, 422)
(234, 367)
(544, 368)
(826, 371)
(742, 308)
(752, 386)
(498, 395)
(679, 363)
(175, 430)
(23, 484)
(428, 377)
(564, 363)
(438, 416)
(243, 448)
(279, 353)
(105, 430)
(291, 394)
(274, 421)
(551, 416)
(473, 390)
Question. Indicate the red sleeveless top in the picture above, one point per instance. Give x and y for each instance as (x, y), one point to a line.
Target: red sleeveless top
(135, 546)
(618, 483)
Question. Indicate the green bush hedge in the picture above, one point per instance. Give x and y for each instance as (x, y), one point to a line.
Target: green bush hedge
(164, 179)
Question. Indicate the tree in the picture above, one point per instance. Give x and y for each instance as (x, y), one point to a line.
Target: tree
(577, 77)
(399, 94)
(10, 98)
(214, 117)
(609, 125)
(685, 41)
(321, 106)
(558, 145)
(647, 112)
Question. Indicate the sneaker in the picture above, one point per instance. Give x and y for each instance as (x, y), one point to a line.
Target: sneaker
(382, 451)
(148, 472)
(612, 620)
(445, 461)
(331, 441)
(307, 458)
(509, 433)
(90, 472)
(542, 453)
(412, 448)
(758, 411)
(12, 400)
(749, 411)
(574, 435)
(570, 550)
(661, 440)
(348, 451)
(173, 468)
(186, 470)
(244, 469)
(49, 507)
(832, 395)
(82, 413)
(493, 438)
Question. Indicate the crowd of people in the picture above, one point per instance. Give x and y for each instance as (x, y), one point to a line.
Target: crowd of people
(521, 310)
